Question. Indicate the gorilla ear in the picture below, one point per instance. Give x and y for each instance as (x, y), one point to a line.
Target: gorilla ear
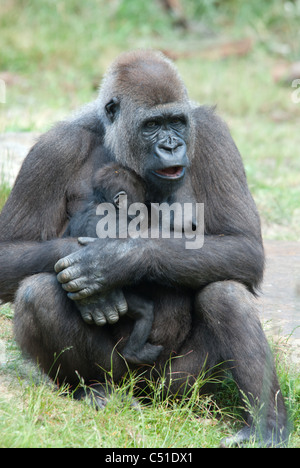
(112, 108)
(118, 201)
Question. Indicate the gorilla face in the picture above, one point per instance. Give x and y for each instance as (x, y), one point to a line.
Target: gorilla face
(164, 137)
(152, 142)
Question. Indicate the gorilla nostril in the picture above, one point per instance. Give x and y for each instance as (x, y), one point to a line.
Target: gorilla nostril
(171, 144)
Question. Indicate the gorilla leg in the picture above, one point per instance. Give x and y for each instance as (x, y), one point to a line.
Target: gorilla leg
(50, 329)
(137, 350)
(227, 329)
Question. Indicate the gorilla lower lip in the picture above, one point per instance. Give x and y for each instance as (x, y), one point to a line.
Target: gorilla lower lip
(174, 172)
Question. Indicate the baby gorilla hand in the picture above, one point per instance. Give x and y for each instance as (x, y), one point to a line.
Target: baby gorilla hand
(101, 309)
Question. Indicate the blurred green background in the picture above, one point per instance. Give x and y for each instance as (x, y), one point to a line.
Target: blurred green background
(242, 56)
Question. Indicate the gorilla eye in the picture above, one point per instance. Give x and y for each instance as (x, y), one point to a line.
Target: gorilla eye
(177, 121)
(151, 124)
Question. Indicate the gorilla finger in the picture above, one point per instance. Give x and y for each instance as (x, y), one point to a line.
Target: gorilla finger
(121, 306)
(69, 274)
(74, 286)
(77, 296)
(86, 316)
(111, 314)
(62, 264)
(86, 311)
(99, 318)
(112, 318)
(66, 262)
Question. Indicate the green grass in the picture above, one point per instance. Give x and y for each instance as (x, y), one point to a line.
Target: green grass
(56, 54)
(33, 413)
(4, 192)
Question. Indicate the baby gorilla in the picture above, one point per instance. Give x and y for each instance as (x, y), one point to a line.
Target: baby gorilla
(110, 184)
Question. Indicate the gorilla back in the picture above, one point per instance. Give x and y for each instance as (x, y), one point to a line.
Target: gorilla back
(144, 120)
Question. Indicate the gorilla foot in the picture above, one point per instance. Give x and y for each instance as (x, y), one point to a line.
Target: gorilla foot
(247, 435)
(147, 355)
(98, 396)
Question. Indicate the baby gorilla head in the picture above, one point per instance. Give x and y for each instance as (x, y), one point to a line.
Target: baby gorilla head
(110, 183)
(113, 181)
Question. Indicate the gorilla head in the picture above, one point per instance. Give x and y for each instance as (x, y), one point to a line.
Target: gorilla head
(113, 181)
(147, 116)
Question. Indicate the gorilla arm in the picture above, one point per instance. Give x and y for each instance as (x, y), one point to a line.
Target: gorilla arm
(20, 259)
(98, 268)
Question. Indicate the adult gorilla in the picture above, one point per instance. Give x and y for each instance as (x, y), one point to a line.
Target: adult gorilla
(142, 119)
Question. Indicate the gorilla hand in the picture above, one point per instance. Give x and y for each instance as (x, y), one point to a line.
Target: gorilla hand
(99, 267)
(103, 309)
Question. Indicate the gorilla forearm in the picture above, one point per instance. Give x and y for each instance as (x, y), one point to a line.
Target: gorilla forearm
(221, 258)
(21, 259)
(165, 261)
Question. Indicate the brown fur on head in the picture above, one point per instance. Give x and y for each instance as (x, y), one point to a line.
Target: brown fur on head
(146, 76)
(114, 178)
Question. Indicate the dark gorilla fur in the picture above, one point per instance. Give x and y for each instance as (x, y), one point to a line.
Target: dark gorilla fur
(144, 120)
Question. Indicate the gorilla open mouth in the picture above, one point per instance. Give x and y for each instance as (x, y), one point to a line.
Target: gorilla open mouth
(174, 172)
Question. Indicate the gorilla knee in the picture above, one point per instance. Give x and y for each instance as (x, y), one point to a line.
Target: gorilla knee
(32, 296)
(225, 290)
(33, 312)
(24, 316)
(227, 301)
(26, 293)
(31, 289)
